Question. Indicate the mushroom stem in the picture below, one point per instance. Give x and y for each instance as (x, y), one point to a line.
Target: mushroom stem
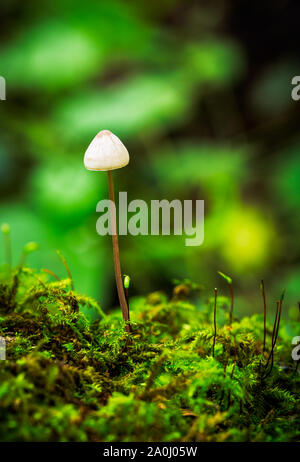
(117, 264)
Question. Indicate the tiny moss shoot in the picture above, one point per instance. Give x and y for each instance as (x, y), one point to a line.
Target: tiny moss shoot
(126, 283)
(29, 248)
(229, 281)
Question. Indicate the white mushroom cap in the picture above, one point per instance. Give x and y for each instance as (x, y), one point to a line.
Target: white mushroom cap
(106, 152)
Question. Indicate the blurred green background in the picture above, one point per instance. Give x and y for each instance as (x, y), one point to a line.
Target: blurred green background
(200, 93)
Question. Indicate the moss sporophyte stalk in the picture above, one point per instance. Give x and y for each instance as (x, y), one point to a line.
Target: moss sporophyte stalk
(185, 374)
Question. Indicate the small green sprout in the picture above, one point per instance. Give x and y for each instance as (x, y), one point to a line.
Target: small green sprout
(126, 281)
(229, 281)
(28, 248)
(126, 284)
(227, 278)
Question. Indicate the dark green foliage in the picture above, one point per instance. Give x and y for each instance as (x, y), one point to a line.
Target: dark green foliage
(69, 379)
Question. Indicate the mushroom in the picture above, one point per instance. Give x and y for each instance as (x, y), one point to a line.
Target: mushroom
(106, 153)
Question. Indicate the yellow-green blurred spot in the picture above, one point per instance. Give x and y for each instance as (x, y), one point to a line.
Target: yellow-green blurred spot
(248, 238)
(5, 228)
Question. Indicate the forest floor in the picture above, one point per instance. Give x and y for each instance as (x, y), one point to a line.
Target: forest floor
(66, 378)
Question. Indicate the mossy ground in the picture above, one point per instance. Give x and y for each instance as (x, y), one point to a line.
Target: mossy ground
(69, 379)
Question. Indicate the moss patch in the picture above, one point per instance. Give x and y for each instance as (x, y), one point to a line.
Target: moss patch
(69, 379)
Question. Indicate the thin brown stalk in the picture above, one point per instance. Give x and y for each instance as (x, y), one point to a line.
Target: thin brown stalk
(127, 301)
(278, 322)
(215, 322)
(64, 262)
(265, 313)
(45, 270)
(117, 265)
(275, 323)
(274, 335)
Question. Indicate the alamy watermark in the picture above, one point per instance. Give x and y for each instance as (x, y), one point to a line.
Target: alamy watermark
(154, 220)
(2, 88)
(2, 349)
(296, 90)
(296, 349)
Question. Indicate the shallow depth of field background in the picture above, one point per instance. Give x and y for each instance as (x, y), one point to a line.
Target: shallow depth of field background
(200, 93)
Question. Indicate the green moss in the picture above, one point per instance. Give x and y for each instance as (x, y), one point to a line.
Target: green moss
(69, 379)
